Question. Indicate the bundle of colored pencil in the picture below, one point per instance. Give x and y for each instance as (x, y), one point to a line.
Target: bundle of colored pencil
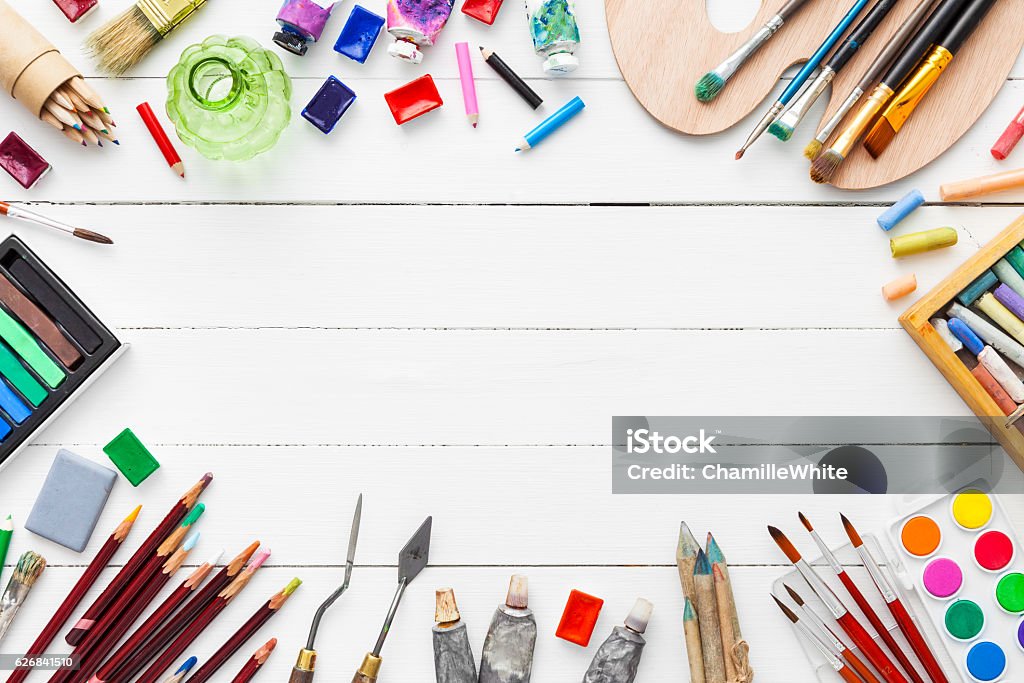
(715, 648)
(78, 112)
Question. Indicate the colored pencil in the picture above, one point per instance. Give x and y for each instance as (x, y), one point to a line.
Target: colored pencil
(468, 83)
(686, 559)
(707, 618)
(860, 637)
(736, 650)
(26, 572)
(865, 607)
(142, 555)
(160, 137)
(84, 583)
(801, 77)
(96, 647)
(833, 661)
(691, 632)
(511, 77)
(255, 663)
(24, 214)
(6, 532)
(142, 646)
(178, 645)
(244, 633)
(552, 123)
(182, 671)
(896, 606)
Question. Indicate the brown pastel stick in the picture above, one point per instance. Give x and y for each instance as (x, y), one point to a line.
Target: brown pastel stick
(994, 389)
(37, 321)
(710, 625)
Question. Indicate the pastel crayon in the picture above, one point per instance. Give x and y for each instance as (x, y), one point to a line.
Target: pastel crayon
(22, 380)
(1001, 315)
(1002, 373)
(942, 329)
(1016, 258)
(12, 405)
(993, 388)
(51, 301)
(1008, 275)
(1013, 301)
(971, 292)
(992, 335)
(900, 287)
(28, 348)
(900, 210)
(920, 242)
(966, 336)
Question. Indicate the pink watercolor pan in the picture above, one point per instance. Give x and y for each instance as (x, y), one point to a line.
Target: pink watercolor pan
(942, 578)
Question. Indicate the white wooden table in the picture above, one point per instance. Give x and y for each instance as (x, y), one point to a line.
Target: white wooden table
(453, 339)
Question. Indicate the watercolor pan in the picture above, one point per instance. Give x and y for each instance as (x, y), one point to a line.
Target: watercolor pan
(76, 9)
(41, 323)
(482, 10)
(359, 35)
(329, 104)
(21, 162)
(854, 567)
(413, 99)
(968, 615)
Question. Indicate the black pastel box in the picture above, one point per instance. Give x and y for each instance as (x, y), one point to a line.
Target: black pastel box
(51, 346)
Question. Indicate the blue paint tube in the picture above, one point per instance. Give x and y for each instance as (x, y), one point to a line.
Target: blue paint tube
(555, 33)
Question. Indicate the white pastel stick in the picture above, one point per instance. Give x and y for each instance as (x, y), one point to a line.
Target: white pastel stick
(1002, 373)
(999, 340)
(942, 327)
(1009, 276)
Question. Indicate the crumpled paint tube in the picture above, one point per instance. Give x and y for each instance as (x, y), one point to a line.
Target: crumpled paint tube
(453, 656)
(618, 657)
(508, 649)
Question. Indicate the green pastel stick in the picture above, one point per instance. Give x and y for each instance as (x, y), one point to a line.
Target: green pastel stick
(16, 374)
(1016, 258)
(28, 348)
(6, 531)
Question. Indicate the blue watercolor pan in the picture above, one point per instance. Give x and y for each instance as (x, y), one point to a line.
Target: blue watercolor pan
(329, 104)
(359, 34)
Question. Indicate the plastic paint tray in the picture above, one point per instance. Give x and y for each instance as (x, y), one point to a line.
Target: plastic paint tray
(851, 561)
(978, 585)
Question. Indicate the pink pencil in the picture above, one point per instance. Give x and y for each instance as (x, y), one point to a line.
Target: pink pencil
(468, 84)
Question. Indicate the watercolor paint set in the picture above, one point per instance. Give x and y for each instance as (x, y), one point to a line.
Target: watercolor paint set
(851, 560)
(971, 326)
(959, 553)
(51, 346)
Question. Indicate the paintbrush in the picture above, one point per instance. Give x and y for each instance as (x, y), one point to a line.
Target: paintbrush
(924, 77)
(833, 660)
(29, 567)
(861, 601)
(826, 165)
(874, 72)
(711, 83)
(896, 606)
(798, 81)
(828, 638)
(33, 217)
(783, 127)
(126, 40)
(860, 637)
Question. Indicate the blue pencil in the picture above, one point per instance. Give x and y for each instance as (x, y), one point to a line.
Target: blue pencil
(551, 124)
(805, 73)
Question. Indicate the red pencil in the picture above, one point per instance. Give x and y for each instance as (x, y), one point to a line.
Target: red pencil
(861, 638)
(242, 636)
(192, 631)
(134, 650)
(161, 139)
(862, 603)
(255, 663)
(896, 606)
(85, 582)
(141, 556)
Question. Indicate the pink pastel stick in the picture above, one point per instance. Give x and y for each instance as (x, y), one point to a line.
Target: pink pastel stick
(468, 84)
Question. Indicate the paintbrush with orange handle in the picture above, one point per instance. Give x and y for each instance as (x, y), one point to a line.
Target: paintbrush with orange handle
(827, 636)
(830, 656)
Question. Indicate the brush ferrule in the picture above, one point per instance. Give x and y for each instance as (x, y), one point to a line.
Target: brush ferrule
(862, 119)
(820, 645)
(877, 576)
(306, 660)
(837, 118)
(165, 15)
(745, 51)
(822, 632)
(763, 124)
(370, 666)
(827, 554)
(798, 110)
(917, 86)
(821, 589)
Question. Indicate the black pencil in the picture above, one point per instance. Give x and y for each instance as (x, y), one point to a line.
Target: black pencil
(511, 77)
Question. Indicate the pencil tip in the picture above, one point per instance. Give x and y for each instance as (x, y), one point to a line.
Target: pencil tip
(134, 514)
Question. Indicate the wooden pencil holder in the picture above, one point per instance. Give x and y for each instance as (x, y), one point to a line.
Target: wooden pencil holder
(934, 304)
(31, 68)
(664, 46)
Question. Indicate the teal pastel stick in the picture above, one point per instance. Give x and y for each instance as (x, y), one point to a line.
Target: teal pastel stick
(1008, 275)
(551, 124)
(973, 291)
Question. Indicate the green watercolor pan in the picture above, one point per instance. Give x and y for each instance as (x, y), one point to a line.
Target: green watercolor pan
(51, 346)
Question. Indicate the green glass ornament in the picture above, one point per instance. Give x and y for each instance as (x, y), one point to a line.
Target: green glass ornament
(229, 98)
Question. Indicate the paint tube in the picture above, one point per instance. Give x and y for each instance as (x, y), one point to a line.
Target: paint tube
(302, 22)
(508, 649)
(555, 34)
(618, 657)
(415, 24)
(453, 656)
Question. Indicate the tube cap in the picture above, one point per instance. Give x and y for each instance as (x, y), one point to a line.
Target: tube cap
(639, 616)
(406, 50)
(561, 63)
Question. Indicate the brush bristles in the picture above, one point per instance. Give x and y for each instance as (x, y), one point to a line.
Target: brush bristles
(855, 538)
(806, 522)
(794, 595)
(708, 87)
(124, 42)
(781, 130)
(785, 610)
(879, 138)
(784, 544)
(813, 149)
(30, 566)
(825, 166)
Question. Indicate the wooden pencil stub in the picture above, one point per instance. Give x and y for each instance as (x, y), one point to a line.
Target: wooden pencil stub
(694, 652)
(31, 68)
(710, 627)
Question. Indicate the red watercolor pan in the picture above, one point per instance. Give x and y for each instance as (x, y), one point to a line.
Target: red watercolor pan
(413, 99)
(994, 551)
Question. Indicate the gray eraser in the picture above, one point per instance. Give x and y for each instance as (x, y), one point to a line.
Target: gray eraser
(71, 500)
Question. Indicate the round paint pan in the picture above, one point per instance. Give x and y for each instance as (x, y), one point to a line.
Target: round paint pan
(964, 620)
(994, 551)
(1009, 593)
(920, 536)
(1020, 634)
(942, 578)
(985, 662)
(971, 509)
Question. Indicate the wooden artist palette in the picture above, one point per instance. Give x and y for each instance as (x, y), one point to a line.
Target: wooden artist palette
(664, 46)
(972, 530)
